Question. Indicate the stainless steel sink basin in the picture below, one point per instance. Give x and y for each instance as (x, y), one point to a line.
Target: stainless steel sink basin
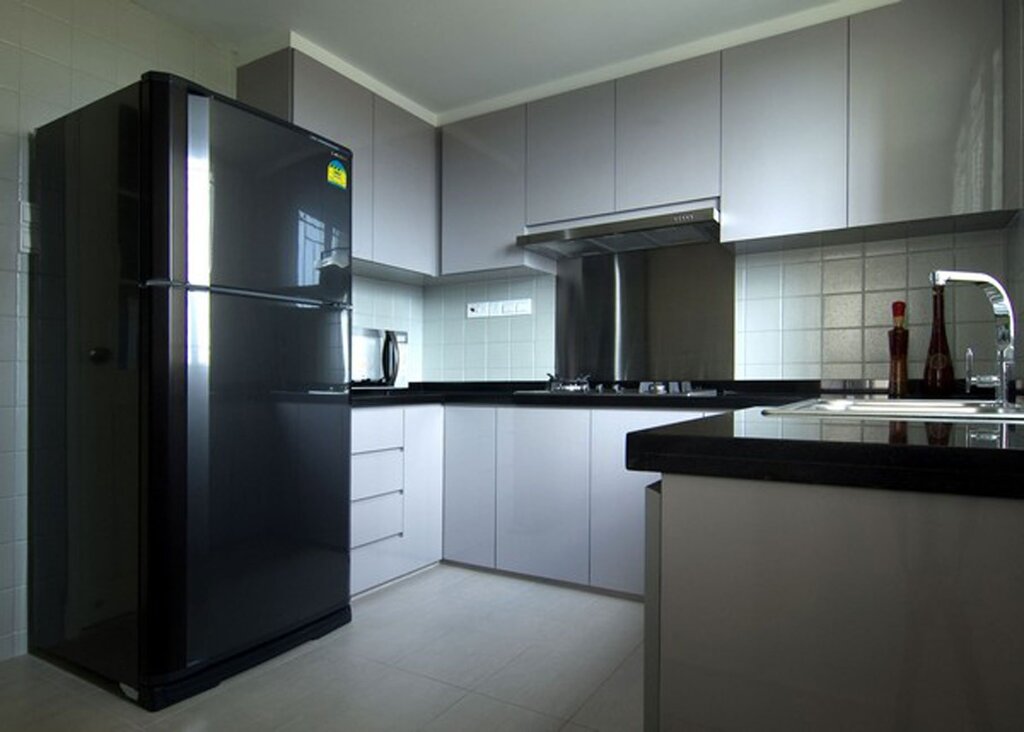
(923, 410)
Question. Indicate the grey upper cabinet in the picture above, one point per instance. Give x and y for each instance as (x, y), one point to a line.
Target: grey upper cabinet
(405, 190)
(925, 110)
(395, 186)
(784, 117)
(340, 110)
(668, 134)
(570, 158)
(483, 195)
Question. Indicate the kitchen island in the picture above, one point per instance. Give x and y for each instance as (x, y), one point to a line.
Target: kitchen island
(835, 574)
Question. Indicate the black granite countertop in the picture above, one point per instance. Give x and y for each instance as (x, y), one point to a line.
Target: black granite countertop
(730, 395)
(960, 458)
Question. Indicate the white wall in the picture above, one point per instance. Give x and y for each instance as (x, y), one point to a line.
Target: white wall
(520, 347)
(824, 312)
(55, 56)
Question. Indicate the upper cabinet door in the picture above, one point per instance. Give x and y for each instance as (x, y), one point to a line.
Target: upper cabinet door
(668, 134)
(405, 190)
(570, 154)
(784, 116)
(483, 169)
(330, 105)
(925, 110)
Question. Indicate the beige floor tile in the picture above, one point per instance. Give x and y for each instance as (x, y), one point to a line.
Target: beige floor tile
(474, 713)
(618, 704)
(463, 657)
(536, 652)
(552, 678)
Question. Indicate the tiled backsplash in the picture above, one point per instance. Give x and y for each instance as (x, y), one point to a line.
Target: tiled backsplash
(824, 312)
(55, 57)
(457, 348)
(392, 306)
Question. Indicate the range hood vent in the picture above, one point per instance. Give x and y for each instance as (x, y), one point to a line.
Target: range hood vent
(698, 226)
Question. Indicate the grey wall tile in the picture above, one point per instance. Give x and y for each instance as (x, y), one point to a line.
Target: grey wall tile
(878, 306)
(843, 311)
(842, 346)
(801, 312)
(843, 275)
(886, 272)
(801, 279)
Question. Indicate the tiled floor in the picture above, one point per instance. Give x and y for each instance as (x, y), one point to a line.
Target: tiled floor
(448, 649)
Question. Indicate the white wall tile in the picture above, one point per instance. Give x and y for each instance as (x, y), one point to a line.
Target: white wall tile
(10, 66)
(842, 345)
(843, 275)
(763, 348)
(45, 79)
(763, 314)
(94, 54)
(843, 311)
(763, 282)
(885, 272)
(46, 35)
(801, 279)
(801, 346)
(10, 21)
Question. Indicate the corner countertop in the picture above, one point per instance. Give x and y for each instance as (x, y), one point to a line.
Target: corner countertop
(956, 458)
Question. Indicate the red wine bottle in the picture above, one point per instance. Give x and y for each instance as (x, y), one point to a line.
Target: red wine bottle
(938, 367)
(898, 352)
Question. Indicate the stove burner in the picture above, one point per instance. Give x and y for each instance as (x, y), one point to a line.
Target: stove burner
(564, 385)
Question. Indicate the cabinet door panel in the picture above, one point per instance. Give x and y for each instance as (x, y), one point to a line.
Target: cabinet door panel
(617, 497)
(482, 191)
(784, 117)
(668, 134)
(327, 103)
(924, 91)
(405, 190)
(543, 464)
(570, 159)
(424, 469)
(469, 482)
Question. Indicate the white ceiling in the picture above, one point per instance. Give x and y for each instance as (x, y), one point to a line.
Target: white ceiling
(447, 59)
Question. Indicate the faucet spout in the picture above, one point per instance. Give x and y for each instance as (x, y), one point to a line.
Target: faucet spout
(1002, 309)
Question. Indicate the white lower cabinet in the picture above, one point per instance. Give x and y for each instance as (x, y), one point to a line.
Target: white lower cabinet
(545, 491)
(543, 462)
(617, 496)
(469, 484)
(396, 492)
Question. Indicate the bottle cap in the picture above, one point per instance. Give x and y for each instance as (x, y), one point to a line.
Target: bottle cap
(899, 308)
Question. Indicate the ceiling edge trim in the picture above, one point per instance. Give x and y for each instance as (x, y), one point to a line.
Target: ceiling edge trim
(354, 73)
(776, 26)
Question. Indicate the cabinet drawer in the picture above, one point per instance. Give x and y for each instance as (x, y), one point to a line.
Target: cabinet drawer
(377, 518)
(376, 429)
(376, 473)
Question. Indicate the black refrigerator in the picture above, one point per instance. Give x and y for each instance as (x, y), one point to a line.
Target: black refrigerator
(189, 389)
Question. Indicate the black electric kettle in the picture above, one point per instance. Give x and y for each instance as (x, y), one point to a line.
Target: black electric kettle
(390, 358)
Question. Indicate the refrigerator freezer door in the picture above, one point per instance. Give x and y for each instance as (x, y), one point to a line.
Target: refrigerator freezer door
(267, 475)
(268, 209)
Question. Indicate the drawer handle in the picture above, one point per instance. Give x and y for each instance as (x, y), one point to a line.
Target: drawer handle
(399, 535)
(378, 495)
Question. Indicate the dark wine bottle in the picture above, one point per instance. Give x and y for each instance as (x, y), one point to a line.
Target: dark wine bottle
(938, 366)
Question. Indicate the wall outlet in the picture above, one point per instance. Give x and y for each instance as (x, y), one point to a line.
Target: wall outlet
(500, 308)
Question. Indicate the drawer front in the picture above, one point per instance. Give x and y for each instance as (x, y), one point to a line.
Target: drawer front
(377, 473)
(377, 518)
(376, 429)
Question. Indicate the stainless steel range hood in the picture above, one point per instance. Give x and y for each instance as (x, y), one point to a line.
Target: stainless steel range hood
(653, 231)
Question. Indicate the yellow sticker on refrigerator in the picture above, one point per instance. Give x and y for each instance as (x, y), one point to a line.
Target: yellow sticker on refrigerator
(336, 174)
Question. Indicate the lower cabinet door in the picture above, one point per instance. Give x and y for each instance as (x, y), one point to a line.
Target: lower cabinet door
(617, 497)
(469, 485)
(542, 466)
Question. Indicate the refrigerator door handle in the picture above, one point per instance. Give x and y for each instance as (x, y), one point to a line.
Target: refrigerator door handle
(242, 292)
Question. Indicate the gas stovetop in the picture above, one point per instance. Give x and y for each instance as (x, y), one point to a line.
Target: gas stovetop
(583, 386)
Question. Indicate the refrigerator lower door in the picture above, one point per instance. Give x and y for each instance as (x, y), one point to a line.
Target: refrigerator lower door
(266, 477)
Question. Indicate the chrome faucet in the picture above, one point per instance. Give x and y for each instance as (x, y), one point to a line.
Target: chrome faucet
(1002, 308)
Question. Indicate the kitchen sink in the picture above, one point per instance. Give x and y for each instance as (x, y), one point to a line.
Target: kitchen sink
(924, 410)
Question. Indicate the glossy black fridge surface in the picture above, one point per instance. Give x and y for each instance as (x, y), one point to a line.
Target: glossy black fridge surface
(189, 389)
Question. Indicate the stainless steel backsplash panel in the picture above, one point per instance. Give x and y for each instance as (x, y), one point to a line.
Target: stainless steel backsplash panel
(655, 314)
